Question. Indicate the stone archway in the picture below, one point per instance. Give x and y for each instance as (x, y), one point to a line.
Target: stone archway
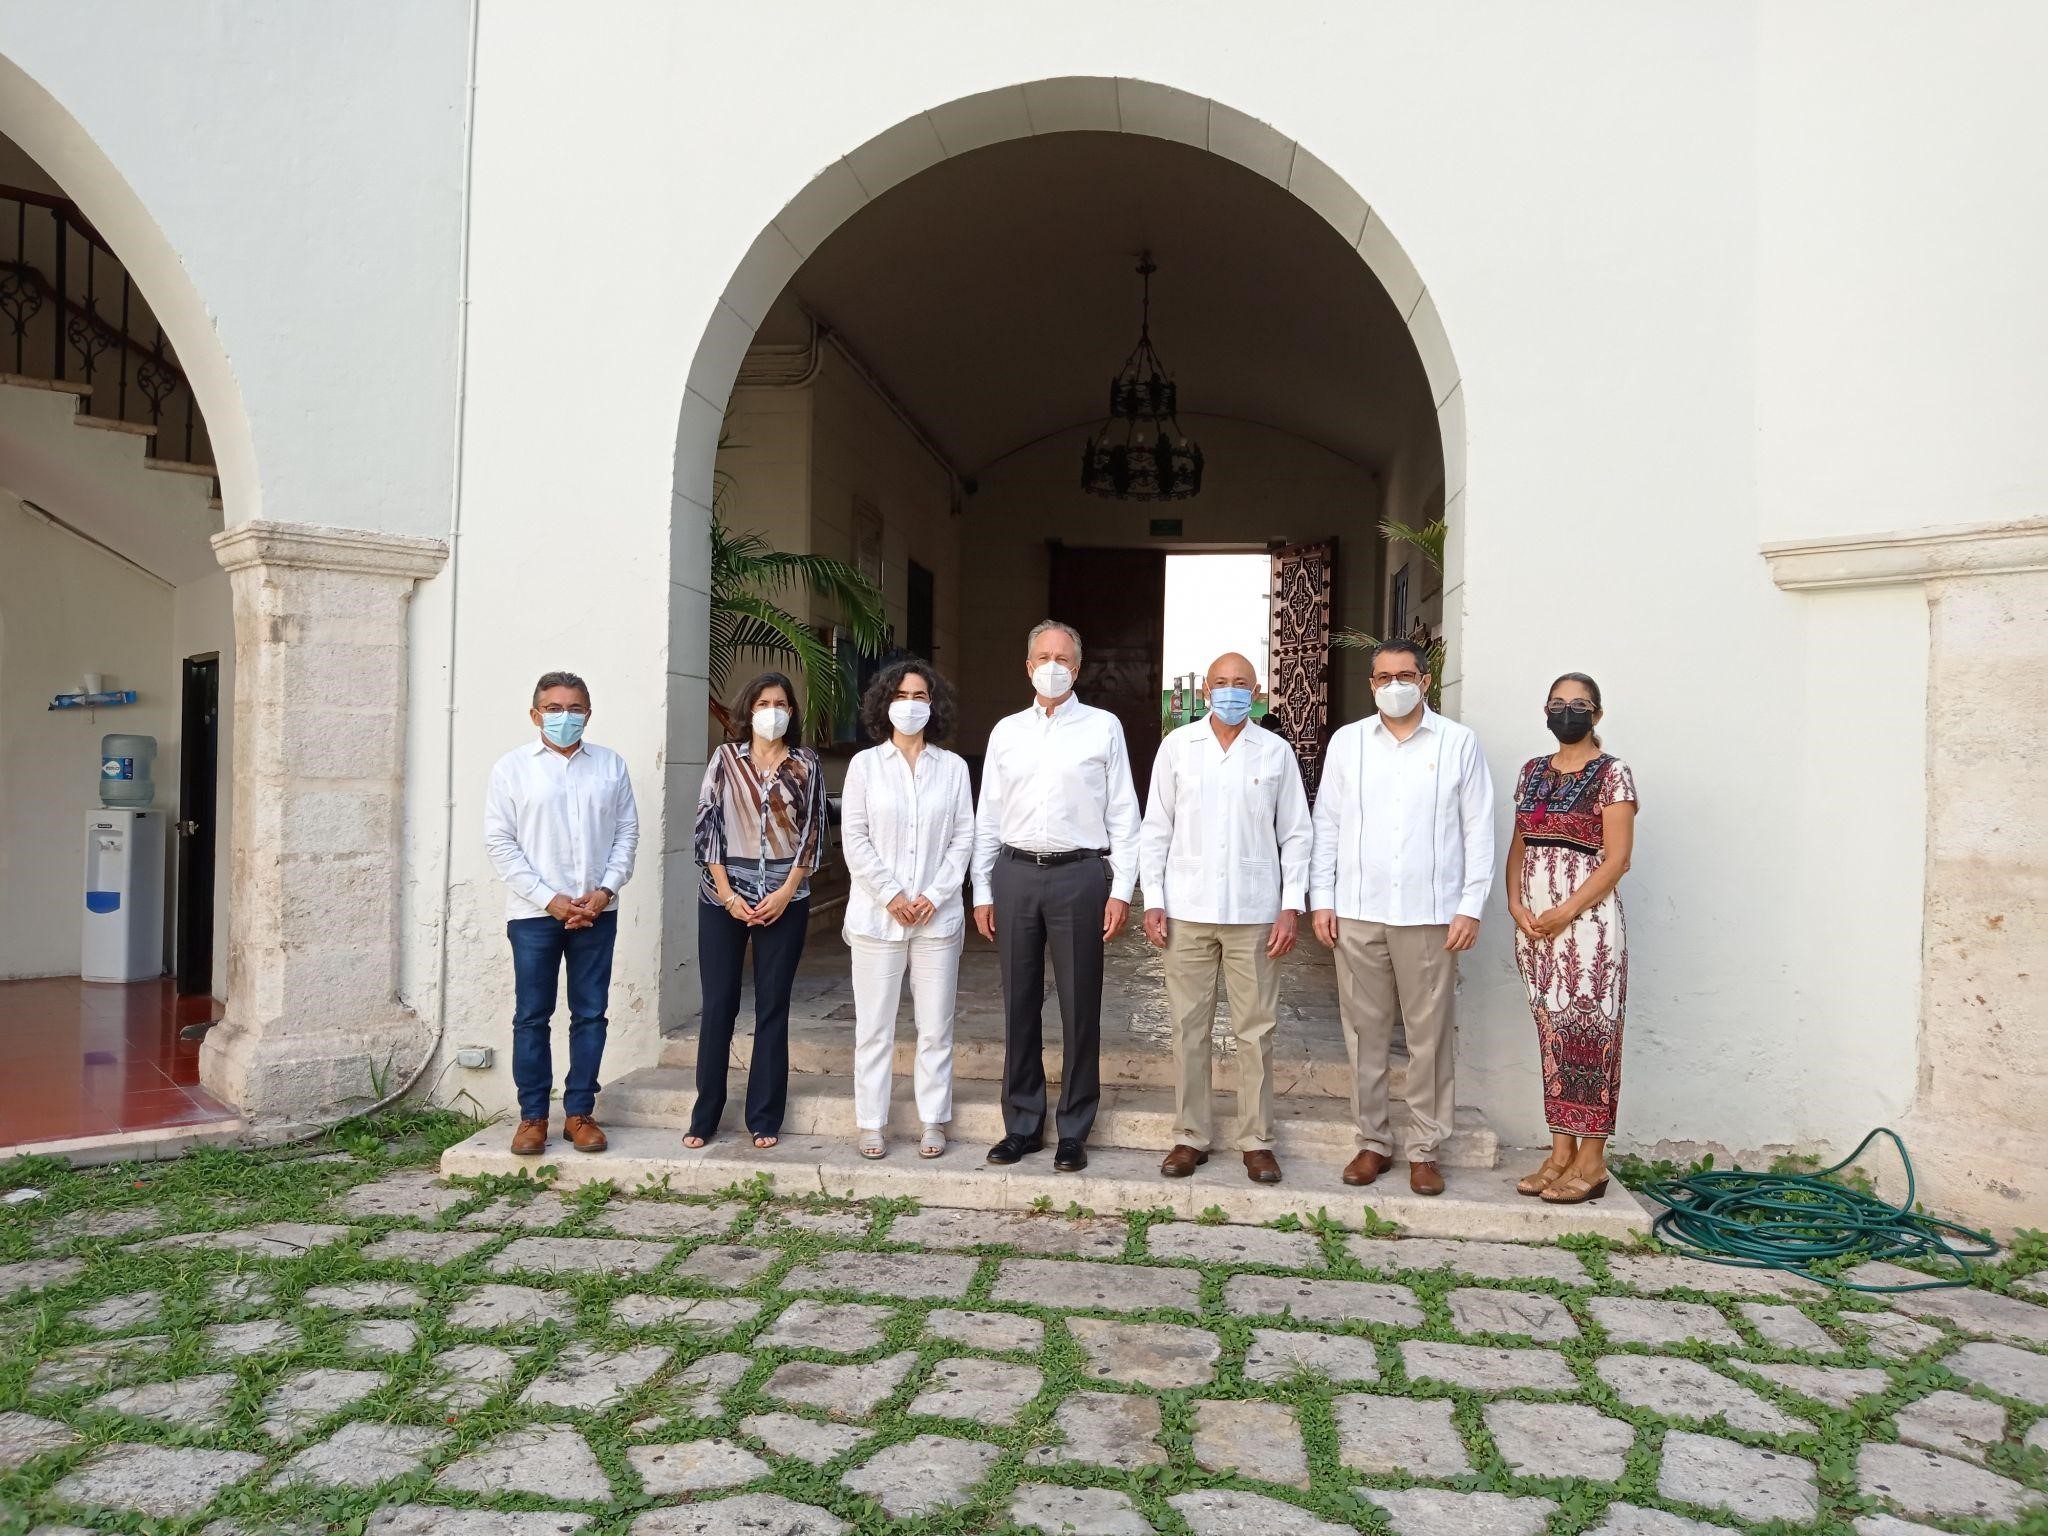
(313, 1025)
(835, 194)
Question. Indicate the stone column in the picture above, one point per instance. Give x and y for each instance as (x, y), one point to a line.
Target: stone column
(1978, 1127)
(314, 1028)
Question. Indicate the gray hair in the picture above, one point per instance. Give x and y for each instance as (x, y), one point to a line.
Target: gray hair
(560, 680)
(1073, 634)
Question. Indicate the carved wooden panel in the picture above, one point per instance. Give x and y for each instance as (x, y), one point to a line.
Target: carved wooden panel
(1299, 689)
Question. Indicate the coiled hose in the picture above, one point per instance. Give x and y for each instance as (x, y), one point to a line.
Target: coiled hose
(1793, 1221)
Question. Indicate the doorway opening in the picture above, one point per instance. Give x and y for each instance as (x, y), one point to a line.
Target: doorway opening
(198, 798)
(1214, 603)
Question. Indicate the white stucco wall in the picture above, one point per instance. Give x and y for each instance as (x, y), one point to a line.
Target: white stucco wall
(1710, 275)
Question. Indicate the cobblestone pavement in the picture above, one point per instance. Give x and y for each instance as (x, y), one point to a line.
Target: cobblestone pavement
(240, 1347)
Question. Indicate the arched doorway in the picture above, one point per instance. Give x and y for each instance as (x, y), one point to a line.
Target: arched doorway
(952, 296)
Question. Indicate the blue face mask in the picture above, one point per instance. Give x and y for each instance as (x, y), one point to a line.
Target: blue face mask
(564, 730)
(1233, 706)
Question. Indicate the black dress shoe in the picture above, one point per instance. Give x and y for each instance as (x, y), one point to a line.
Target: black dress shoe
(1072, 1155)
(1012, 1148)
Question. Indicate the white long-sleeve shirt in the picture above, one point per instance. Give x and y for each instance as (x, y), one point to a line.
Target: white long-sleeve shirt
(1055, 783)
(559, 826)
(1227, 834)
(1404, 829)
(905, 832)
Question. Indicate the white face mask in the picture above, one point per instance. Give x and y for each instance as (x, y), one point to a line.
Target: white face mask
(909, 715)
(770, 722)
(1397, 699)
(1051, 680)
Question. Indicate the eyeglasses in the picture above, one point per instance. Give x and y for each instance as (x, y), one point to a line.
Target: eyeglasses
(566, 709)
(1387, 679)
(1561, 707)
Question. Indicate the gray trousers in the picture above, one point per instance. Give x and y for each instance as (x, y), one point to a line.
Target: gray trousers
(1387, 973)
(1057, 906)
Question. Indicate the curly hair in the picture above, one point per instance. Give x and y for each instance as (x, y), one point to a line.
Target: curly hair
(881, 693)
(743, 710)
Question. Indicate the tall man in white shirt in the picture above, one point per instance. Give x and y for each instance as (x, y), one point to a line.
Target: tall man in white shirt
(1055, 857)
(1224, 860)
(1403, 859)
(561, 828)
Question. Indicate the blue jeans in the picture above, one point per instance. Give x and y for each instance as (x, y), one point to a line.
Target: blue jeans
(540, 946)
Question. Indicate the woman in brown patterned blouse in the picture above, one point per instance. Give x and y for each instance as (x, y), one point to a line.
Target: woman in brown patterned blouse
(760, 836)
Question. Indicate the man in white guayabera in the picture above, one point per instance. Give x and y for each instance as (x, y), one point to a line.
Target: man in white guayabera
(1055, 858)
(1224, 861)
(561, 828)
(1403, 859)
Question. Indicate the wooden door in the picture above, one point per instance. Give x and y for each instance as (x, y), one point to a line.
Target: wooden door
(1304, 576)
(1117, 599)
(198, 789)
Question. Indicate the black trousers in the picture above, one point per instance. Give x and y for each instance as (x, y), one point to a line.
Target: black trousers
(1058, 907)
(722, 941)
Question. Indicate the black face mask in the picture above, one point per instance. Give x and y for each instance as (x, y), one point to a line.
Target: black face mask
(1573, 723)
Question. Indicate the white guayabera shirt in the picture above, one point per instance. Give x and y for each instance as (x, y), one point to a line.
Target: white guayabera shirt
(559, 826)
(1404, 829)
(1055, 783)
(905, 832)
(1227, 833)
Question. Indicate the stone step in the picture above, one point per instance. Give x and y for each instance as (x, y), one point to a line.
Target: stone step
(1477, 1203)
(1306, 1127)
(1301, 1067)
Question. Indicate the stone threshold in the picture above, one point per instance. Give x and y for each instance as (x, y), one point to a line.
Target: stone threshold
(157, 1144)
(1479, 1203)
(1136, 1117)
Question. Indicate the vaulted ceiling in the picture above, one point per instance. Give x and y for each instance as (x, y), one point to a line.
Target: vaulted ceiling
(994, 295)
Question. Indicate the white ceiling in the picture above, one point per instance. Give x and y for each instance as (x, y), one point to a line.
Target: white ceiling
(994, 295)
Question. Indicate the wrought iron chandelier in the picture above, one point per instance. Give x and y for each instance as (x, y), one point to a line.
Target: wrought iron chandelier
(1140, 453)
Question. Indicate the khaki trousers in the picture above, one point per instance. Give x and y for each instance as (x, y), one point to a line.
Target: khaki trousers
(1387, 974)
(1196, 955)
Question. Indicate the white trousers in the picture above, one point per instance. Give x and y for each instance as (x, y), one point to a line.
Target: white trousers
(879, 965)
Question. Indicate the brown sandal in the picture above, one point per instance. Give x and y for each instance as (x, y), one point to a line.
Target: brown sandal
(1541, 1179)
(1574, 1191)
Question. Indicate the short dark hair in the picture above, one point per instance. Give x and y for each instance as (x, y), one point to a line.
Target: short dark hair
(1412, 647)
(881, 693)
(743, 709)
(560, 680)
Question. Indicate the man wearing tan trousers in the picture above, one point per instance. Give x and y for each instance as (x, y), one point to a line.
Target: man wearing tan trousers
(1403, 860)
(1224, 860)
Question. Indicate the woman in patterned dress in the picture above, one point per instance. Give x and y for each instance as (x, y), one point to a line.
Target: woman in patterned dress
(1575, 815)
(760, 837)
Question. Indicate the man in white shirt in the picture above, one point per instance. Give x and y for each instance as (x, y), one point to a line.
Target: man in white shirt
(561, 828)
(1224, 860)
(1403, 859)
(1055, 857)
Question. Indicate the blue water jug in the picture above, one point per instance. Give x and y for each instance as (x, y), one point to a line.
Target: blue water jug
(127, 768)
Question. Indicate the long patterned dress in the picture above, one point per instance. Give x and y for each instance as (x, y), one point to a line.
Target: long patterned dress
(1578, 981)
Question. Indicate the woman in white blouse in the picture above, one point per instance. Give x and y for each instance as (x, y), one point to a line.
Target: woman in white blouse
(907, 822)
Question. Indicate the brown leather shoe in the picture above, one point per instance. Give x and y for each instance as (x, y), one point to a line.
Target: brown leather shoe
(1366, 1167)
(583, 1134)
(1182, 1161)
(1425, 1178)
(1261, 1166)
(531, 1136)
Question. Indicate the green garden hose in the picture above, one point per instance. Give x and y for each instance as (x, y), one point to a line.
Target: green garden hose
(1793, 1221)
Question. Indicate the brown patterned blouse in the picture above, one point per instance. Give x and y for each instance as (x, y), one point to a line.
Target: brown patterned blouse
(760, 828)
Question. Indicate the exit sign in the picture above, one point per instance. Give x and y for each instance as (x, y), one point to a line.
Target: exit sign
(1166, 527)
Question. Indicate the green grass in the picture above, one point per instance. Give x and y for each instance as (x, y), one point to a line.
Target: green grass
(216, 1191)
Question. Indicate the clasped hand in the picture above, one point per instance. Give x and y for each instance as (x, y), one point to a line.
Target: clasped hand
(911, 912)
(574, 912)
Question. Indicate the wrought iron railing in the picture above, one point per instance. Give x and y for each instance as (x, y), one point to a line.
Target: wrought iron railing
(73, 315)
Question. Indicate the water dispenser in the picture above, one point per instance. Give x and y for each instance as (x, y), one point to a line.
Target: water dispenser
(127, 767)
(123, 927)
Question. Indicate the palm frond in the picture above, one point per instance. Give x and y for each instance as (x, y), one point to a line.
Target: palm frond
(1430, 540)
(753, 626)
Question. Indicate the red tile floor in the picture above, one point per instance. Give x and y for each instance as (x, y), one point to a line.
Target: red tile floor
(88, 1058)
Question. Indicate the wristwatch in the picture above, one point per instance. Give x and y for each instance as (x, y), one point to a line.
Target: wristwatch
(610, 895)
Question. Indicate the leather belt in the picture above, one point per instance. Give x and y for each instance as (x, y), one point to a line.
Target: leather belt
(1052, 860)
